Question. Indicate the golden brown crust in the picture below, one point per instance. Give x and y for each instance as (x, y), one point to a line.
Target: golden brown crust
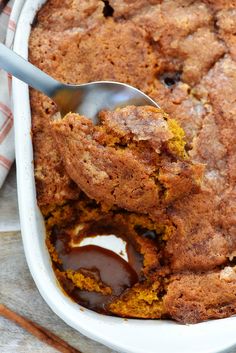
(61, 16)
(134, 160)
(193, 298)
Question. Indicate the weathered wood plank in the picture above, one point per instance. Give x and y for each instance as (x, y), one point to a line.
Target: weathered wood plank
(19, 293)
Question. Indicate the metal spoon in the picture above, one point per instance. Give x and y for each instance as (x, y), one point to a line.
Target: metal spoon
(86, 99)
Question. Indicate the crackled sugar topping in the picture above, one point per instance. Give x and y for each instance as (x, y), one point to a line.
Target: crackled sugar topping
(182, 53)
(135, 159)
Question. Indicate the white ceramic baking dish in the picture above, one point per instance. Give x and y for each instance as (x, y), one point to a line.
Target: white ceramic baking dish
(133, 336)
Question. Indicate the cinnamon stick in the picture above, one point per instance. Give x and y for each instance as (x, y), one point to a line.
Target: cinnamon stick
(38, 331)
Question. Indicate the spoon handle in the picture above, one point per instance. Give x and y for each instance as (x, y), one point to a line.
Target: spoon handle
(26, 72)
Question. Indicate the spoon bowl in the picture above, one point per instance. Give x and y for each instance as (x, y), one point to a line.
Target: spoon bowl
(85, 99)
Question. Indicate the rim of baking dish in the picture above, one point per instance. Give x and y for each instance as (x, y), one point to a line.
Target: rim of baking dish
(132, 335)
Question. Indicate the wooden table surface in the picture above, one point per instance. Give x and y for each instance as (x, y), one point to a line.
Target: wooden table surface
(19, 293)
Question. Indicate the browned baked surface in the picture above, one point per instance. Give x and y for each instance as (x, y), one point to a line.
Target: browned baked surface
(202, 296)
(135, 159)
(181, 53)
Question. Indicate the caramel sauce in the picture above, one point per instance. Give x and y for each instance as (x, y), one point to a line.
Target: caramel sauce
(113, 271)
(103, 264)
(135, 259)
(91, 300)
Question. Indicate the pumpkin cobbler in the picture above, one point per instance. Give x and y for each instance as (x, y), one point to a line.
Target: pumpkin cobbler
(161, 180)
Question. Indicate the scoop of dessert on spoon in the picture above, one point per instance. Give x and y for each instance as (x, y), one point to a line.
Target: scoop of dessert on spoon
(85, 99)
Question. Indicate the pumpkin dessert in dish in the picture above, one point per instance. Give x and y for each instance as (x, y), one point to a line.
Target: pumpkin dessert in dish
(180, 244)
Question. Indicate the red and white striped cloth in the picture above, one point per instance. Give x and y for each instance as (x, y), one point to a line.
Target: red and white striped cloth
(8, 21)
